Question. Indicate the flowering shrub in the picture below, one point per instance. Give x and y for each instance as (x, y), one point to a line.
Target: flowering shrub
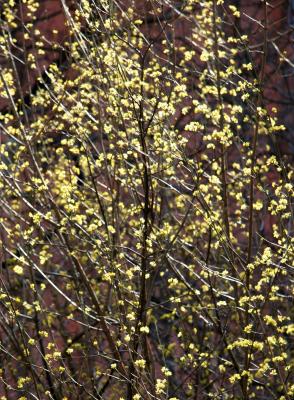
(146, 213)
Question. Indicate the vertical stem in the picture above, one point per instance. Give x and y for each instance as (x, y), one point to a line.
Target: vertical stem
(220, 103)
(147, 217)
(251, 201)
